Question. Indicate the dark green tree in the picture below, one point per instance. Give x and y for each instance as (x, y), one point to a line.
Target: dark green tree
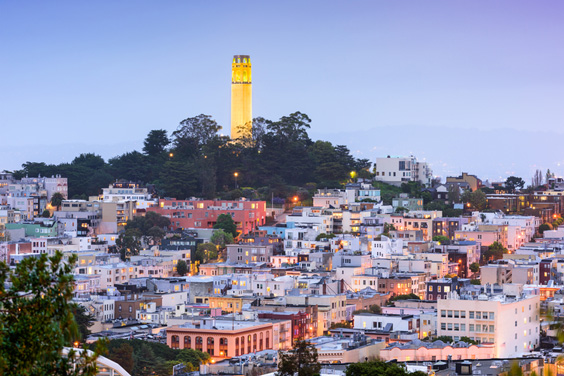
(129, 243)
(443, 240)
(494, 252)
(544, 227)
(123, 355)
(192, 133)
(57, 200)
(221, 238)
(378, 367)
(205, 252)
(453, 194)
(300, 361)
(156, 142)
(37, 319)
(84, 320)
(145, 361)
(225, 222)
(46, 214)
(181, 267)
(132, 166)
(445, 339)
(468, 340)
(513, 182)
(404, 297)
(155, 234)
(474, 267)
(476, 199)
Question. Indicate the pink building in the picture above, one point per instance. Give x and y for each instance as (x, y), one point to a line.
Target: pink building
(432, 351)
(248, 215)
(223, 338)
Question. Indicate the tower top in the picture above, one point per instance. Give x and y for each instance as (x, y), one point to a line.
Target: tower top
(241, 59)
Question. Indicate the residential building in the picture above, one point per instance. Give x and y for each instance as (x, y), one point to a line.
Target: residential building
(510, 323)
(400, 170)
(197, 213)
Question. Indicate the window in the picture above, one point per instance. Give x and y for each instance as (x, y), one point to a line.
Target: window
(449, 326)
(443, 313)
(456, 314)
(462, 314)
(471, 314)
(443, 326)
(471, 327)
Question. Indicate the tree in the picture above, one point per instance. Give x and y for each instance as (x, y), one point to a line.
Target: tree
(476, 199)
(123, 355)
(37, 320)
(324, 236)
(221, 238)
(474, 267)
(129, 243)
(544, 227)
(46, 214)
(378, 367)
(404, 297)
(57, 200)
(155, 143)
(442, 240)
(192, 133)
(453, 194)
(445, 339)
(84, 320)
(537, 179)
(374, 308)
(225, 222)
(494, 252)
(205, 252)
(549, 175)
(468, 340)
(301, 360)
(181, 267)
(155, 234)
(514, 182)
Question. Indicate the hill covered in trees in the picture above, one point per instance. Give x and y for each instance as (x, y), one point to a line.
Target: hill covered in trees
(195, 160)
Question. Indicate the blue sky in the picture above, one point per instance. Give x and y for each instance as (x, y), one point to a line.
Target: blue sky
(98, 76)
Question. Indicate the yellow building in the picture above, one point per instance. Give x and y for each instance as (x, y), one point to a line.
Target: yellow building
(227, 304)
(241, 97)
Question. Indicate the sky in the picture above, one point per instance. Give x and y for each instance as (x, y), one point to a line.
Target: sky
(472, 86)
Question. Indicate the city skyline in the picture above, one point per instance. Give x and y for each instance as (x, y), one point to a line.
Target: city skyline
(116, 71)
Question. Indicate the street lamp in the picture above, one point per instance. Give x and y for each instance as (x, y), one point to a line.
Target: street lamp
(236, 174)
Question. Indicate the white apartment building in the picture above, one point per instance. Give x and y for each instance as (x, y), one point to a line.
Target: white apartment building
(128, 192)
(386, 322)
(313, 217)
(326, 198)
(398, 170)
(510, 323)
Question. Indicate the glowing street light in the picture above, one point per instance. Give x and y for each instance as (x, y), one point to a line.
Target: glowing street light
(236, 175)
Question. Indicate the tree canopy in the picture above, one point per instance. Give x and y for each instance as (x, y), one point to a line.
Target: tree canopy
(513, 183)
(225, 222)
(37, 319)
(194, 160)
(300, 361)
(150, 358)
(378, 367)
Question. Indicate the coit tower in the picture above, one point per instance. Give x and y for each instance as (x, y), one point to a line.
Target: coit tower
(241, 97)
